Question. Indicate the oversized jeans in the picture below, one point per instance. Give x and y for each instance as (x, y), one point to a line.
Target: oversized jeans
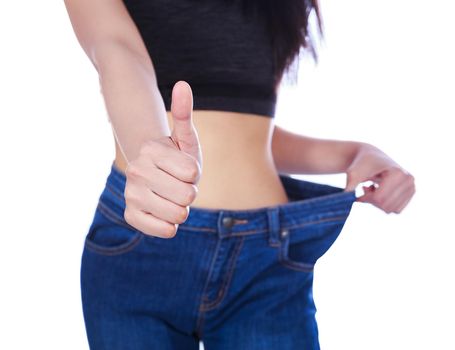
(233, 279)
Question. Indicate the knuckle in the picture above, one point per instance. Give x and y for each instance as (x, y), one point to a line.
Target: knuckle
(128, 193)
(132, 170)
(170, 231)
(182, 215)
(191, 194)
(192, 171)
(128, 216)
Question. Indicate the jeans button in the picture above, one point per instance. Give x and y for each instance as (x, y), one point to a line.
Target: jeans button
(284, 232)
(228, 221)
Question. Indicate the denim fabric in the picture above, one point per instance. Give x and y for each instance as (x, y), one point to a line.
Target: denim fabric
(233, 279)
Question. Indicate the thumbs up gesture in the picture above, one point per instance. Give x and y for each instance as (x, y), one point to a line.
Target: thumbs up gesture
(161, 182)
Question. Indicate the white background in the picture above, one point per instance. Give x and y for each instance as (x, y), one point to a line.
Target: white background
(386, 76)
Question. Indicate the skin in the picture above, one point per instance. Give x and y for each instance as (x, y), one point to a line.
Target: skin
(238, 173)
(214, 159)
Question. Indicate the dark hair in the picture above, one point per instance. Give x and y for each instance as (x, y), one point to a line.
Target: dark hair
(288, 26)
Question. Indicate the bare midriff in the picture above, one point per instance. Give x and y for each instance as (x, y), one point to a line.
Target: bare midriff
(238, 171)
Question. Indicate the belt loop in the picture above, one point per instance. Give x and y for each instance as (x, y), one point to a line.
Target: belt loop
(274, 226)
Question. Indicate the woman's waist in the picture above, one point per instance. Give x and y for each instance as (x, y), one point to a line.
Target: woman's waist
(239, 185)
(238, 171)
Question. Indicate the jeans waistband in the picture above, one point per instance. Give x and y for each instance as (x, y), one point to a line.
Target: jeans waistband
(309, 203)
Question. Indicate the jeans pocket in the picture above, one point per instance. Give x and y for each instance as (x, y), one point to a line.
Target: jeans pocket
(109, 235)
(301, 246)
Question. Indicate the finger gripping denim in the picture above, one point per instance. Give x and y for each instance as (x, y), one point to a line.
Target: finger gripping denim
(233, 279)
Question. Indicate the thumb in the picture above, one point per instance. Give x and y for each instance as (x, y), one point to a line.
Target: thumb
(352, 182)
(184, 133)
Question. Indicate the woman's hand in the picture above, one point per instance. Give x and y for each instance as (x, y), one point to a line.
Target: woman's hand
(396, 185)
(161, 181)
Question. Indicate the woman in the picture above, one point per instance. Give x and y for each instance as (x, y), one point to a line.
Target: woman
(200, 234)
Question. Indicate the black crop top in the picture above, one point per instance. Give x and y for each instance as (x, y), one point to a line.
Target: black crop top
(225, 56)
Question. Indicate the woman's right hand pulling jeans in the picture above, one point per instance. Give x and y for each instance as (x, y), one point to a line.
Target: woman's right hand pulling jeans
(161, 182)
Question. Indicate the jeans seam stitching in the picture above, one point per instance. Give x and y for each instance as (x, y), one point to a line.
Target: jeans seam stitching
(247, 233)
(214, 303)
(204, 289)
(252, 232)
(295, 265)
(283, 259)
(114, 191)
(114, 250)
(111, 215)
(227, 280)
(118, 173)
(310, 223)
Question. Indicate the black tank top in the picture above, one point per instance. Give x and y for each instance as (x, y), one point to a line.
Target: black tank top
(224, 55)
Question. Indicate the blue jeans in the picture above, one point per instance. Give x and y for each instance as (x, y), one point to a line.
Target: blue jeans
(233, 279)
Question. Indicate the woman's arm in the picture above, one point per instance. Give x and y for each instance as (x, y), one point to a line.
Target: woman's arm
(393, 186)
(127, 78)
(298, 154)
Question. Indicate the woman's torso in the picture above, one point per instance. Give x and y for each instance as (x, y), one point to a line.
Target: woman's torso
(238, 169)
